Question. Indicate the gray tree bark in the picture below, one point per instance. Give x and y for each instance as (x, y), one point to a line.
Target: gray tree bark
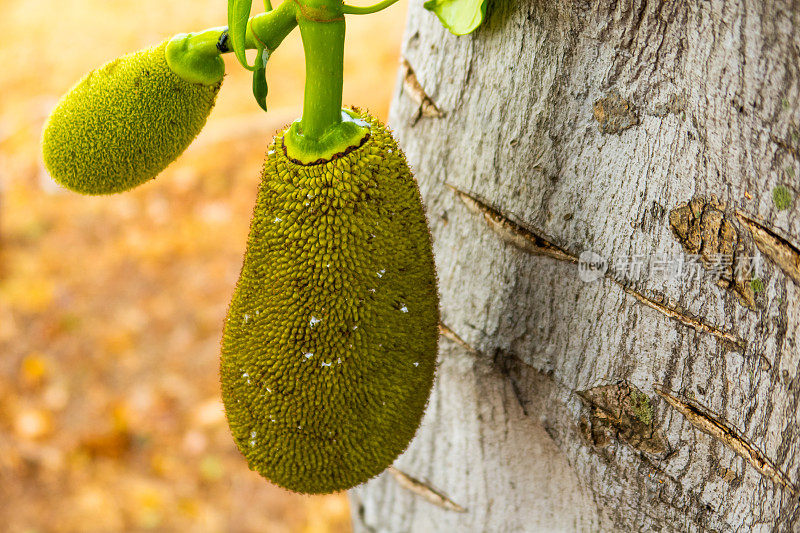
(646, 132)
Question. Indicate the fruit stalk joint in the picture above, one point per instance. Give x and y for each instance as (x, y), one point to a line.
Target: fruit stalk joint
(323, 130)
(195, 57)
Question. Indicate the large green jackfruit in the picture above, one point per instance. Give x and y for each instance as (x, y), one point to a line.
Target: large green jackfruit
(124, 123)
(330, 343)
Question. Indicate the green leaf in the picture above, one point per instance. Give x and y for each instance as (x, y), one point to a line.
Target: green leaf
(459, 16)
(238, 16)
(260, 88)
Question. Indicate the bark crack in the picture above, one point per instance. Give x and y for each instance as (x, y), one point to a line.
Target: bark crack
(686, 320)
(528, 241)
(412, 87)
(424, 490)
(511, 232)
(779, 250)
(704, 228)
(713, 426)
(448, 333)
(786, 145)
(623, 412)
(614, 114)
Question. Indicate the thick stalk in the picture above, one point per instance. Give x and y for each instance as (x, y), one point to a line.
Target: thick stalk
(323, 43)
(325, 129)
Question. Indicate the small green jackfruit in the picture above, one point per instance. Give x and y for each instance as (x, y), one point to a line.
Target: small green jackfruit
(330, 343)
(123, 123)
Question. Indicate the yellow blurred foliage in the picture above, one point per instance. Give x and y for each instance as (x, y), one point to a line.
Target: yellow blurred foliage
(29, 295)
(33, 369)
(32, 423)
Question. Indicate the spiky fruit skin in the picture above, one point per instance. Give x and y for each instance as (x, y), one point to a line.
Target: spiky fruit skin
(330, 343)
(124, 123)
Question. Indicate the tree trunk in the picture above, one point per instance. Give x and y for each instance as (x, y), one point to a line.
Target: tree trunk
(662, 137)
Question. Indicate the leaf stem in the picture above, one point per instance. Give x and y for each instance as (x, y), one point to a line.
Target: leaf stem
(356, 10)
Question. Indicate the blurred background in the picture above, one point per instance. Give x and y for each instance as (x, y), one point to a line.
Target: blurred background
(111, 308)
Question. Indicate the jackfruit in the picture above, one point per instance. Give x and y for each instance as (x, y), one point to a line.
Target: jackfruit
(124, 123)
(329, 346)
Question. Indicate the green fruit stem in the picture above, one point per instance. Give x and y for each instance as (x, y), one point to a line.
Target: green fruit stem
(195, 56)
(272, 27)
(323, 43)
(324, 130)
